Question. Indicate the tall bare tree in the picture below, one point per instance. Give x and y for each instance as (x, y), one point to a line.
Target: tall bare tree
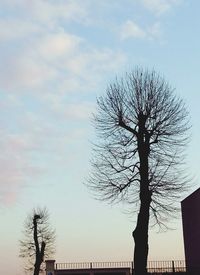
(38, 241)
(142, 128)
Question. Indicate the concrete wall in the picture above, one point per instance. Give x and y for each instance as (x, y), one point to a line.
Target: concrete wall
(191, 229)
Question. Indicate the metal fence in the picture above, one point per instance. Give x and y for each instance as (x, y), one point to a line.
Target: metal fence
(88, 265)
(166, 266)
(153, 267)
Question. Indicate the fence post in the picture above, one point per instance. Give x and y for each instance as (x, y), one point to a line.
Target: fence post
(173, 268)
(132, 268)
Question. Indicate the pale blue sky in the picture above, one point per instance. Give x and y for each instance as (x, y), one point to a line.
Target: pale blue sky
(56, 57)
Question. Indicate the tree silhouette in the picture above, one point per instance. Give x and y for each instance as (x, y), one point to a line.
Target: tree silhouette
(38, 241)
(142, 129)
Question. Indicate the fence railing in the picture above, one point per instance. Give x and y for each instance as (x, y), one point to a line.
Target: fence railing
(152, 266)
(166, 266)
(88, 265)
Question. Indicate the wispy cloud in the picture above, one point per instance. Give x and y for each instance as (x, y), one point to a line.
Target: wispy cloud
(47, 54)
(47, 12)
(15, 166)
(31, 142)
(132, 30)
(45, 71)
(15, 28)
(159, 7)
(57, 61)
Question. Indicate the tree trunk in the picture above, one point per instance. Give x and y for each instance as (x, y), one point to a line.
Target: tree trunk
(36, 268)
(140, 234)
(39, 259)
(39, 252)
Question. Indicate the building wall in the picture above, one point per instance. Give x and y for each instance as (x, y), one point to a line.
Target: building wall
(191, 229)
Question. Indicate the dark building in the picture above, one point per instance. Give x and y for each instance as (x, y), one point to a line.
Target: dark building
(191, 230)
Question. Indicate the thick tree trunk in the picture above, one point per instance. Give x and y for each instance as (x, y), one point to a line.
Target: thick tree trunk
(37, 268)
(140, 234)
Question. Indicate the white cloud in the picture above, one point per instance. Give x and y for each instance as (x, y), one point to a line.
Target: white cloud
(56, 58)
(23, 73)
(159, 6)
(131, 29)
(46, 53)
(55, 45)
(48, 12)
(36, 17)
(91, 63)
(11, 29)
(45, 69)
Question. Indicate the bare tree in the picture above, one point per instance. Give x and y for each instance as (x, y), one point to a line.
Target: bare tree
(142, 128)
(38, 241)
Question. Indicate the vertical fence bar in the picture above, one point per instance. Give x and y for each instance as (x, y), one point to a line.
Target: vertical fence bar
(173, 268)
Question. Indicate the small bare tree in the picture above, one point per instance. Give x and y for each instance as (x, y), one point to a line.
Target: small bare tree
(142, 126)
(38, 241)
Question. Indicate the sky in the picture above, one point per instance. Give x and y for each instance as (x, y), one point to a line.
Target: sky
(56, 58)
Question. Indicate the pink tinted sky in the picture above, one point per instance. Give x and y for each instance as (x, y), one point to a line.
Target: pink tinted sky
(56, 58)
